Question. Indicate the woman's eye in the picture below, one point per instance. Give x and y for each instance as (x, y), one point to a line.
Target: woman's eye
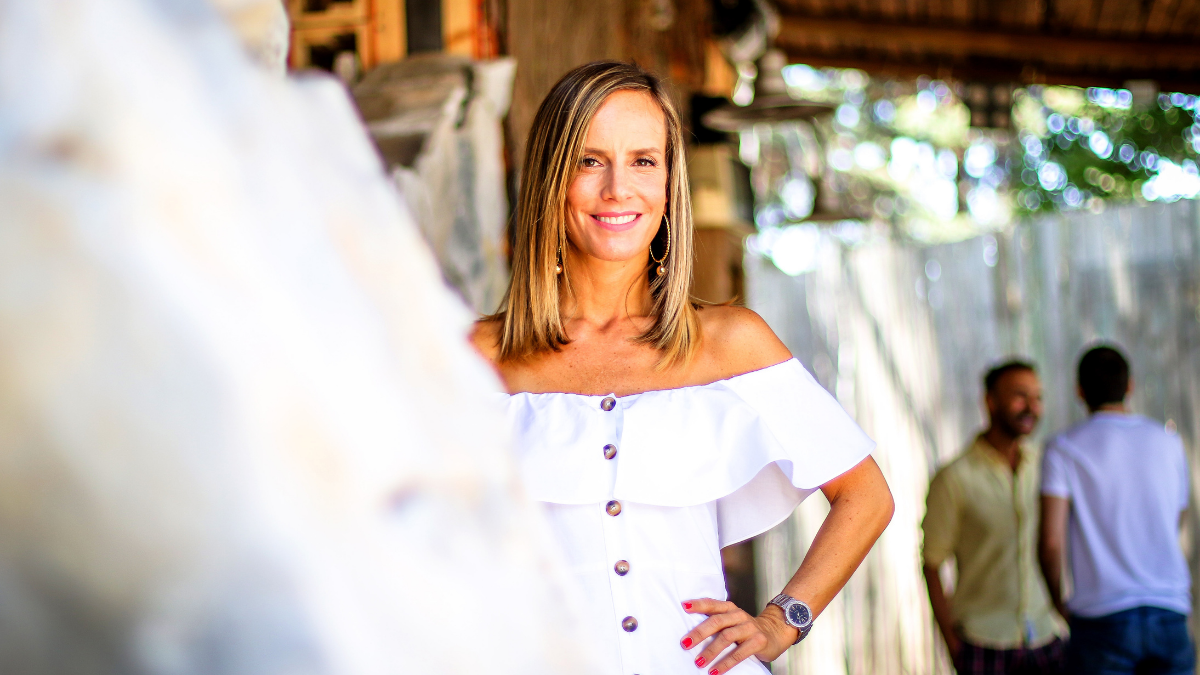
(589, 161)
(645, 161)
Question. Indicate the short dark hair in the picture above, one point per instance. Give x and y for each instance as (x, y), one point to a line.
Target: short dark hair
(992, 378)
(1103, 376)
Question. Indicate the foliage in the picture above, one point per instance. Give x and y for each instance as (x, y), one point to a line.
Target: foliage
(903, 153)
(1079, 148)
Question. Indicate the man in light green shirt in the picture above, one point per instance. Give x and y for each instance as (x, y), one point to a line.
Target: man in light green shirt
(982, 512)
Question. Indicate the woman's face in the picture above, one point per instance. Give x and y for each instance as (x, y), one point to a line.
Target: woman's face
(616, 201)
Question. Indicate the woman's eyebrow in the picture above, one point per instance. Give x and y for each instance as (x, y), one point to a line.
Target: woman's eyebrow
(639, 151)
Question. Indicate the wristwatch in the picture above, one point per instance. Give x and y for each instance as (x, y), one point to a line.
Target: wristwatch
(795, 613)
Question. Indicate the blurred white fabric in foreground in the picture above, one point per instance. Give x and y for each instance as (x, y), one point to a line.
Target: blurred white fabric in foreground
(240, 428)
(263, 28)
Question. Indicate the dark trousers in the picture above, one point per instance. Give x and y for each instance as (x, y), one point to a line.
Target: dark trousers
(1138, 641)
(1044, 660)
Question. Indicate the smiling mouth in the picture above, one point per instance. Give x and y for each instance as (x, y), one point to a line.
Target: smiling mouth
(617, 220)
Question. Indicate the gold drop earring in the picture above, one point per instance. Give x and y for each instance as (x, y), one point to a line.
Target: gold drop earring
(558, 262)
(662, 268)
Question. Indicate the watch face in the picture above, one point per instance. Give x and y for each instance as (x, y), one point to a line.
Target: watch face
(798, 615)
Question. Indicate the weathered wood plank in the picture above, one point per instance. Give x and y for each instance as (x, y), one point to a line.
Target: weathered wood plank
(1011, 44)
(1158, 19)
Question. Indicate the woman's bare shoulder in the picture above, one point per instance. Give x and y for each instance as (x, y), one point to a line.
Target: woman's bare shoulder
(737, 340)
(485, 335)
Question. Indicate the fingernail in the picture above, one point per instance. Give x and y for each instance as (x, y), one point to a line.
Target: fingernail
(712, 672)
(687, 642)
(700, 662)
(687, 605)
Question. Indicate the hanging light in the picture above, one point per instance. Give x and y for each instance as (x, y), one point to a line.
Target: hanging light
(771, 101)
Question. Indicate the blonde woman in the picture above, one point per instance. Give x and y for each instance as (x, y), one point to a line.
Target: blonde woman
(657, 430)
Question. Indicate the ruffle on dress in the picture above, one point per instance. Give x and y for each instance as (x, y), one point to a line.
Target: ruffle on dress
(757, 444)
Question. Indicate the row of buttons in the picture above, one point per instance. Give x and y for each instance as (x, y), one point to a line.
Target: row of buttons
(613, 508)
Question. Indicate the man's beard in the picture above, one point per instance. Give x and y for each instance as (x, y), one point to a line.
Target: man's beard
(1011, 424)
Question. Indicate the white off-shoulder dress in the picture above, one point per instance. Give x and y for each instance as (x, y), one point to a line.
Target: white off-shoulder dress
(643, 491)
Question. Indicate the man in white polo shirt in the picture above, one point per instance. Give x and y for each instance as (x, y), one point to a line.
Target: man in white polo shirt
(1113, 491)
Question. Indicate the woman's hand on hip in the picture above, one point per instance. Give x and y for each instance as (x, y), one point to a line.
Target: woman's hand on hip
(765, 636)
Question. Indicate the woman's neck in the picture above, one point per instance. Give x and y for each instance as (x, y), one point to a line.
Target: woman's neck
(603, 292)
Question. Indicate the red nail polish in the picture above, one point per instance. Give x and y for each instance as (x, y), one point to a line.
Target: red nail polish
(712, 672)
(687, 605)
(687, 642)
(700, 662)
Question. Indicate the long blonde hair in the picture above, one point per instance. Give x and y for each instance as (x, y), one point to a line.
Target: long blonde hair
(530, 311)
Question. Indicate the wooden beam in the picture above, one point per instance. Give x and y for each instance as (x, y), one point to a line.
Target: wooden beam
(1187, 19)
(1034, 47)
(995, 71)
(459, 24)
(388, 30)
(1158, 19)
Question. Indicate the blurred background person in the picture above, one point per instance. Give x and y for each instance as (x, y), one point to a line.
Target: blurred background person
(1114, 489)
(982, 513)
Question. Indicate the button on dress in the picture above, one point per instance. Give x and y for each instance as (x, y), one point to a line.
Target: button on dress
(698, 468)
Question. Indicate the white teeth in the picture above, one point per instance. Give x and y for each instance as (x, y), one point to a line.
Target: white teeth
(616, 220)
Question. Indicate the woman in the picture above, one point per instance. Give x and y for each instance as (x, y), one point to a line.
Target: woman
(657, 430)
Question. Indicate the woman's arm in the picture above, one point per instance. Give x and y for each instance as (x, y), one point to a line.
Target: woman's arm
(860, 507)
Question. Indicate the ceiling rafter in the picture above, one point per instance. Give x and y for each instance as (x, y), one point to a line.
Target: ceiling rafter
(943, 39)
(996, 71)
(1026, 56)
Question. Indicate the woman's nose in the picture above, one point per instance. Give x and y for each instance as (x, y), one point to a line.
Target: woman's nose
(617, 186)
